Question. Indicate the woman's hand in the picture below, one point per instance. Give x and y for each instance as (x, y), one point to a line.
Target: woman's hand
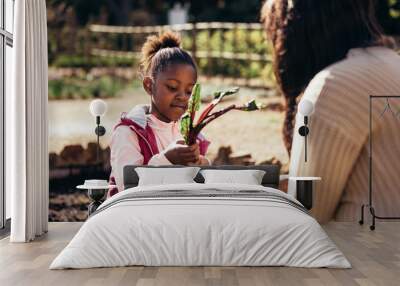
(181, 154)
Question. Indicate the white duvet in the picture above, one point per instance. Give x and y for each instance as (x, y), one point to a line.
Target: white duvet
(183, 231)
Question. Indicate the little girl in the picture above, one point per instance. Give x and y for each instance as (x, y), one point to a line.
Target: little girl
(149, 134)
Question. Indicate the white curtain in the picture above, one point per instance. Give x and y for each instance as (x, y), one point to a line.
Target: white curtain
(27, 124)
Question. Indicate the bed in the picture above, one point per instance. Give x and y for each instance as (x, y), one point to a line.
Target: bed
(199, 224)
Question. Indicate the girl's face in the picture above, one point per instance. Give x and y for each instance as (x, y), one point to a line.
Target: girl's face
(170, 91)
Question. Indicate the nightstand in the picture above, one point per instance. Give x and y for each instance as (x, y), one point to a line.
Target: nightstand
(97, 192)
(304, 190)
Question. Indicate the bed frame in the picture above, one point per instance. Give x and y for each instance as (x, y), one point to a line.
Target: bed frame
(270, 179)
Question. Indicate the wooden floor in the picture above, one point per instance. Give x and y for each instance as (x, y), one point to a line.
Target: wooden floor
(375, 257)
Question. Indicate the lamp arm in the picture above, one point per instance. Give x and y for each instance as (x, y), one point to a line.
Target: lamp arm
(98, 138)
(305, 149)
(100, 131)
(305, 138)
(304, 131)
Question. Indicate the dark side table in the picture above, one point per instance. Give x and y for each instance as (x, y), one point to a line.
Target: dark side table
(97, 195)
(304, 190)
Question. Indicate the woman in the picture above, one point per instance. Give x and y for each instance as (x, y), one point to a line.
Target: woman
(333, 53)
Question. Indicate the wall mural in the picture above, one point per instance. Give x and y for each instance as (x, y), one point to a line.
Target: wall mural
(95, 52)
(79, 75)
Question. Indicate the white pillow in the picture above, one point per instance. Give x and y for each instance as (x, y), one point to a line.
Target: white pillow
(248, 177)
(163, 176)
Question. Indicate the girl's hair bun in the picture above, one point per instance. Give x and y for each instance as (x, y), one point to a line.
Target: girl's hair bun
(158, 52)
(155, 43)
(170, 40)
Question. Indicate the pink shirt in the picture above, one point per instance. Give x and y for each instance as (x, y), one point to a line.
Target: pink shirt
(125, 148)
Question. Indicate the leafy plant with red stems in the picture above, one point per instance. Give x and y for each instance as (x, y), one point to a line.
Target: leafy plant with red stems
(191, 130)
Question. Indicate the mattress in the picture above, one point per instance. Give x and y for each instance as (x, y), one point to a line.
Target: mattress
(201, 225)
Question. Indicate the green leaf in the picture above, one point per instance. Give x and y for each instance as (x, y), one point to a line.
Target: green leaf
(251, 106)
(188, 117)
(194, 103)
(221, 94)
(185, 126)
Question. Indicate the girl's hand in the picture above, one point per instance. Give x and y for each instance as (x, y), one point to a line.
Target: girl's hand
(201, 162)
(182, 154)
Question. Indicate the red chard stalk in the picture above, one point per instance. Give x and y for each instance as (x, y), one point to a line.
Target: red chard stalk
(189, 130)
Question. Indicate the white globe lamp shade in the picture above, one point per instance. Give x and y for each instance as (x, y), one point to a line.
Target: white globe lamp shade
(306, 107)
(98, 107)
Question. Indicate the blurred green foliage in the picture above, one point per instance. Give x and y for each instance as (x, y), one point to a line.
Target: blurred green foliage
(87, 62)
(128, 12)
(82, 88)
(234, 41)
(70, 43)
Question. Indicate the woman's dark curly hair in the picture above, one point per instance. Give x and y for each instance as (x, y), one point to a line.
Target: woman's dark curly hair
(309, 35)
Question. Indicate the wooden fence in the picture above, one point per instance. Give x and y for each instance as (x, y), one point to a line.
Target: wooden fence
(234, 53)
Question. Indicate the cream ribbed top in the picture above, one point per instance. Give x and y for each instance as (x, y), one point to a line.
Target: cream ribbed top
(338, 141)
